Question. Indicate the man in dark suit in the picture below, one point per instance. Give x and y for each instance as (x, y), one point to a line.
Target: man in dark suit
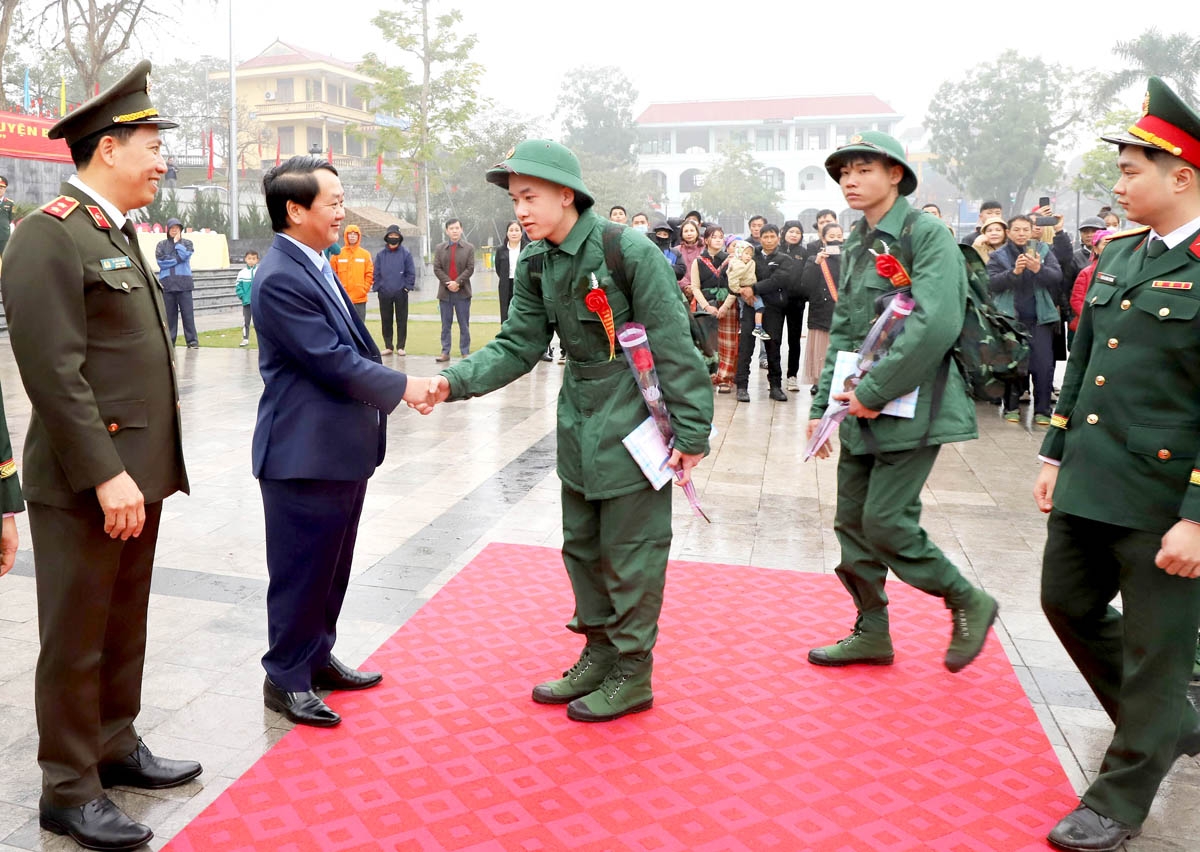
(1120, 479)
(320, 435)
(88, 331)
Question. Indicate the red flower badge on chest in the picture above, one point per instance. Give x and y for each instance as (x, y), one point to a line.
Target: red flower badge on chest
(597, 302)
(892, 269)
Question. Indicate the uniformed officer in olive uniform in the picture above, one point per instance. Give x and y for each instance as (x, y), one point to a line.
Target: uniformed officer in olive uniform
(1121, 478)
(86, 322)
(616, 527)
(885, 460)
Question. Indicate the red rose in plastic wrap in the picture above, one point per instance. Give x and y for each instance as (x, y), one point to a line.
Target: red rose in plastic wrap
(891, 269)
(643, 361)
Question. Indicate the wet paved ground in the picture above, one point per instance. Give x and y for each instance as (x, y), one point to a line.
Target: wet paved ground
(483, 471)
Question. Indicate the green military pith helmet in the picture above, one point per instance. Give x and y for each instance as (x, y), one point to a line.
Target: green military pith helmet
(547, 160)
(1167, 124)
(873, 142)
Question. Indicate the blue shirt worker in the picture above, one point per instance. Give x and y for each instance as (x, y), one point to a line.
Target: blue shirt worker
(174, 258)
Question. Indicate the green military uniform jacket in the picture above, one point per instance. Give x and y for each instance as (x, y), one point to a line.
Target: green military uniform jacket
(6, 220)
(10, 484)
(1127, 424)
(599, 403)
(88, 330)
(939, 289)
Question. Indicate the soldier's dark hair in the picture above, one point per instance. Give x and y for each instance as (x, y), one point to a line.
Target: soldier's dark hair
(82, 151)
(292, 180)
(990, 205)
(450, 222)
(768, 229)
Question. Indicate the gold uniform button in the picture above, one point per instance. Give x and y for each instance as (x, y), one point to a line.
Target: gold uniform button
(113, 427)
(1113, 343)
(1100, 380)
(1126, 304)
(1093, 419)
(1164, 312)
(1164, 454)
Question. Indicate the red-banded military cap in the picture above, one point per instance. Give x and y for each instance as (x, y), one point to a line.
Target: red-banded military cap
(1167, 124)
(126, 102)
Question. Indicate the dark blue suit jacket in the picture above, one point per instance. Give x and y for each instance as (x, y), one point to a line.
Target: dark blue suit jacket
(323, 411)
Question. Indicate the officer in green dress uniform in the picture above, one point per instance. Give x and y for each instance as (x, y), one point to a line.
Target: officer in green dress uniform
(88, 330)
(616, 527)
(885, 461)
(1121, 478)
(10, 499)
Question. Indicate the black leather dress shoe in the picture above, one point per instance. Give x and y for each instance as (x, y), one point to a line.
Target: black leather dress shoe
(338, 675)
(777, 394)
(142, 769)
(99, 824)
(1084, 830)
(303, 708)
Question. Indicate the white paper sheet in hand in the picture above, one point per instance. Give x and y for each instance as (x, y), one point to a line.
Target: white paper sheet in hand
(847, 364)
(646, 445)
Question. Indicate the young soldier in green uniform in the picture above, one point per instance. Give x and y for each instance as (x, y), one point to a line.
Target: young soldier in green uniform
(104, 449)
(1121, 478)
(885, 461)
(616, 527)
(10, 499)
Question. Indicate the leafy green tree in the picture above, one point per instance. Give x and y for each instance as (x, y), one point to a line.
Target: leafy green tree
(615, 182)
(164, 206)
(1174, 57)
(997, 130)
(438, 100)
(1099, 173)
(733, 190)
(254, 222)
(208, 211)
(596, 108)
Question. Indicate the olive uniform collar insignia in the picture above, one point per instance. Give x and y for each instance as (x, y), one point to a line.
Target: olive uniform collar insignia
(61, 207)
(98, 217)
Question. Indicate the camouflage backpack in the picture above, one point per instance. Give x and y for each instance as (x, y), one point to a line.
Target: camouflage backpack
(991, 348)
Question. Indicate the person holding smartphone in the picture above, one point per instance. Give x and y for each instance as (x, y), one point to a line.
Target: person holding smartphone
(1024, 276)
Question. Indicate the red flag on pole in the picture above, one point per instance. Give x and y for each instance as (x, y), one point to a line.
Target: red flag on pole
(210, 155)
(277, 150)
(97, 87)
(331, 155)
(378, 171)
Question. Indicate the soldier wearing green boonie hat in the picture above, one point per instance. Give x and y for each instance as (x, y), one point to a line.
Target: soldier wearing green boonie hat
(616, 527)
(1121, 478)
(886, 459)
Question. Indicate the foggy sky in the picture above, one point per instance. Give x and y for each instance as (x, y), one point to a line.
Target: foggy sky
(702, 49)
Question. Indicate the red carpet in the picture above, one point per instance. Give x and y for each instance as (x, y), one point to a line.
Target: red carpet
(748, 746)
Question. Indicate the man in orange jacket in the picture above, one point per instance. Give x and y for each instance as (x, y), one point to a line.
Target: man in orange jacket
(355, 270)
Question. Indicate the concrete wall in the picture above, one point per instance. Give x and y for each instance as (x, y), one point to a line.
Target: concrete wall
(34, 181)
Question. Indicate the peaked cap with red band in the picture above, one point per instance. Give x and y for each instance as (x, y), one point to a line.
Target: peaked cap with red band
(1167, 124)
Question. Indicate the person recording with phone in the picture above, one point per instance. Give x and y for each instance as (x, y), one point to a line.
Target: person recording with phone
(819, 283)
(1053, 234)
(1024, 276)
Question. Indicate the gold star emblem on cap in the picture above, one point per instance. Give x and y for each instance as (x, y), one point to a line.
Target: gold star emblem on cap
(1146, 104)
(855, 139)
(511, 151)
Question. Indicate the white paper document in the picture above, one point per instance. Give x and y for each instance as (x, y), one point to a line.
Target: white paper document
(846, 365)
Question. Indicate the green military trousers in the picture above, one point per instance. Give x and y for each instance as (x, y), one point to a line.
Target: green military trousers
(878, 524)
(615, 552)
(1138, 664)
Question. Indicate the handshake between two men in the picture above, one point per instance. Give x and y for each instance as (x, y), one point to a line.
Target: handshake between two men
(423, 394)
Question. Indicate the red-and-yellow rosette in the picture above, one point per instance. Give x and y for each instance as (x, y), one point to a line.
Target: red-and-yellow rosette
(597, 302)
(892, 269)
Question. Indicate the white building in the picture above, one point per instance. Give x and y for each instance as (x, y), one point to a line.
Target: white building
(790, 137)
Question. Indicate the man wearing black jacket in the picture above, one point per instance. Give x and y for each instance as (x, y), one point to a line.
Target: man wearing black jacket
(773, 269)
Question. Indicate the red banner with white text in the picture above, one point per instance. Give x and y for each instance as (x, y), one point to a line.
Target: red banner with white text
(26, 138)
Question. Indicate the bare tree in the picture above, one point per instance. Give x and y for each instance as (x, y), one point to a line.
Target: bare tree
(93, 34)
(8, 8)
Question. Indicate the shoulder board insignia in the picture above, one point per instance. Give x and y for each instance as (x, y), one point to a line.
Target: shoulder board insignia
(7, 469)
(1131, 232)
(1194, 248)
(1195, 477)
(61, 207)
(98, 217)
(1058, 421)
(1173, 285)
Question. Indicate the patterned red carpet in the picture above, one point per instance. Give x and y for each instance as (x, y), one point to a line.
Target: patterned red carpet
(748, 746)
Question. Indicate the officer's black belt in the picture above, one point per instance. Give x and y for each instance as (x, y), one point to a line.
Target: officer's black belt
(597, 369)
